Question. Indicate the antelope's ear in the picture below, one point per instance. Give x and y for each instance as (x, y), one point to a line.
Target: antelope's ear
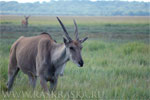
(84, 39)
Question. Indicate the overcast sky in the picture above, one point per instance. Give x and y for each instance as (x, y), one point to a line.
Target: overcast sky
(23, 1)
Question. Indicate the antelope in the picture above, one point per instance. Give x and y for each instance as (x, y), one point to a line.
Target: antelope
(25, 21)
(40, 56)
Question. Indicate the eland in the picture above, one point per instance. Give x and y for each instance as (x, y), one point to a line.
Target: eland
(25, 21)
(40, 56)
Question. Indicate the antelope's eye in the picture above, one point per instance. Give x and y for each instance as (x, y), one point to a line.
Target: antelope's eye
(71, 48)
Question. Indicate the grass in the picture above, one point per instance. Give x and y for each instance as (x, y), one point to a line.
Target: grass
(116, 59)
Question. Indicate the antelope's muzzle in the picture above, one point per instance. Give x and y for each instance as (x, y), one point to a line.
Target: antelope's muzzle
(81, 63)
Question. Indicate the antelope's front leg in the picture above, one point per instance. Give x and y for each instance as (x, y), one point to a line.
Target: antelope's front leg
(62, 70)
(43, 83)
(53, 84)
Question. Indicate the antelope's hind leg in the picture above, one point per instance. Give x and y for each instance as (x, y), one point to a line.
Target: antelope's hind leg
(32, 81)
(12, 72)
(43, 83)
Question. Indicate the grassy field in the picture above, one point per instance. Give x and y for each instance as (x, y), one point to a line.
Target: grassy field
(116, 58)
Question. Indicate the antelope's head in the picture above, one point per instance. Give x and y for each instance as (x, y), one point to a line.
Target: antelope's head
(26, 18)
(73, 47)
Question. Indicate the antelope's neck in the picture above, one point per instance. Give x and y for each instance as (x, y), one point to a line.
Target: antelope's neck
(59, 55)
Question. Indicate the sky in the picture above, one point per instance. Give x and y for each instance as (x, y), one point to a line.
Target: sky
(31, 1)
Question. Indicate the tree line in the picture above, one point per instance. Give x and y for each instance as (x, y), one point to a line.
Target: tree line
(77, 7)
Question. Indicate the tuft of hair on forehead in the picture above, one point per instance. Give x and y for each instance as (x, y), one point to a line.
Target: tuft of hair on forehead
(76, 42)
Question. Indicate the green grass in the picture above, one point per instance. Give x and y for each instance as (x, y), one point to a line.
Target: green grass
(116, 60)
